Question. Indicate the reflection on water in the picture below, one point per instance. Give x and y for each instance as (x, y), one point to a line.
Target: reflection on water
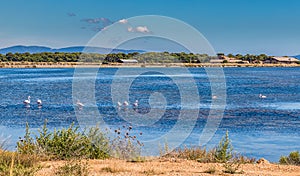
(258, 127)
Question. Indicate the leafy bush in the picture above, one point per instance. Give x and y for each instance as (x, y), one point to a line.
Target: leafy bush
(65, 143)
(292, 159)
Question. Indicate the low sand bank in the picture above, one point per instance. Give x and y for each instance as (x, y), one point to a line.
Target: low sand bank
(171, 167)
(116, 65)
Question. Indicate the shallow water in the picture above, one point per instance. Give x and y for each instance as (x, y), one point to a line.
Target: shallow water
(258, 127)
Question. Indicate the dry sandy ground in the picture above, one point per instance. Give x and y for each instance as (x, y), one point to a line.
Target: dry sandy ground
(172, 167)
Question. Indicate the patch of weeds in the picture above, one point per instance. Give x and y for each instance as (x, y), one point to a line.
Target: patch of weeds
(194, 153)
(73, 167)
(138, 159)
(112, 169)
(152, 171)
(164, 150)
(126, 146)
(211, 170)
(243, 159)
(232, 168)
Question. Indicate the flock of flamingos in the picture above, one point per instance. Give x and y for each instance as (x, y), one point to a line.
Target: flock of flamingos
(78, 103)
(119, 104)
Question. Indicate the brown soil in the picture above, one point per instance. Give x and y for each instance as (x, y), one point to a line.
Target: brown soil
(172, 167)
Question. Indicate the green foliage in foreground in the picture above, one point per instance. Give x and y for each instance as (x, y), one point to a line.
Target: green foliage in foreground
(292, 159)
(65, 143)
(70, 143)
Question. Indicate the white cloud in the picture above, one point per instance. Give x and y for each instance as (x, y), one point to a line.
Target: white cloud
(123, 21)
(141, 29)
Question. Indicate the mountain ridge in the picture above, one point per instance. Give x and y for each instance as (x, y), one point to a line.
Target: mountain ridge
(297, 56)
(71, 49)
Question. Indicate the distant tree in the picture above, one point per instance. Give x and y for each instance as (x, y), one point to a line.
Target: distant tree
(225, 61)
(9, 56)
(230, 55)
(239, 56)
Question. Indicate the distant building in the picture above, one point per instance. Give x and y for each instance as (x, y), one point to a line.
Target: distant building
(216, 61)
(224, 59)
(220, 56)
(282, 60)
(128, 61)
(237, 61)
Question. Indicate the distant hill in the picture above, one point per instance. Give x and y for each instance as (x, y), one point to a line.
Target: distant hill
(39, 49)
(298, 57)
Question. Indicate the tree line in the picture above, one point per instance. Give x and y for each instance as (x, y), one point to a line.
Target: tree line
(149, 57)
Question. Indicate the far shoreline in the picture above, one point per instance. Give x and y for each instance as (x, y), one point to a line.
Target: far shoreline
(138, 65)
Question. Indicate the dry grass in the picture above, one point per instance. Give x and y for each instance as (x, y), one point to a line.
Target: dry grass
(13, 163)
(171, 166)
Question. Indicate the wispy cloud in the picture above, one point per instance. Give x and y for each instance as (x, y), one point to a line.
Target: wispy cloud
(103, 21)
(101, 24)
(98, 24)
(141, 29)
(71, 14)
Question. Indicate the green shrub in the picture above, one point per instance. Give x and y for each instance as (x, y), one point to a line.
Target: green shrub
(65, 143)
(292, 159)
(224, 149)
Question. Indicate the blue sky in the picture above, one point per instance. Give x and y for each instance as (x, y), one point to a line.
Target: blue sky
(231, 26)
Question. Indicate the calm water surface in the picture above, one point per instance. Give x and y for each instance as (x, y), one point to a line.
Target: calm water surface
(258, 127)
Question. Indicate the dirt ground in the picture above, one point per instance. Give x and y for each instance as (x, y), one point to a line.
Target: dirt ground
(171, 166)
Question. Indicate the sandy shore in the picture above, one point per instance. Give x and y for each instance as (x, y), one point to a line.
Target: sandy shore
(172, 167)
(116, 65)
